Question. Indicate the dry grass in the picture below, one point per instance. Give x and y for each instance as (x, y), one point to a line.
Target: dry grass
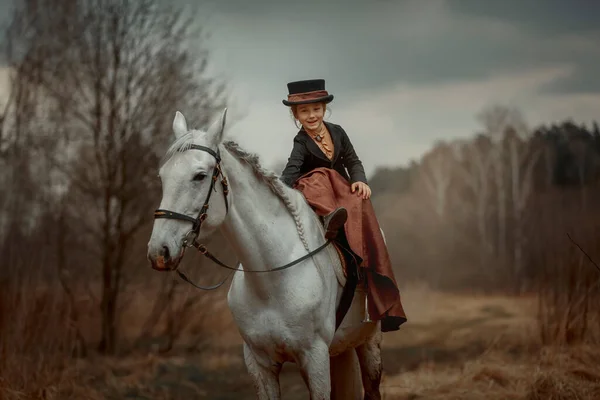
(552, 374)
(40, 351)
(454, 347)
(36, 342)
(507, 359)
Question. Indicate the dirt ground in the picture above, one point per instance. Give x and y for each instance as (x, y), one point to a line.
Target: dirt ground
(453, 347)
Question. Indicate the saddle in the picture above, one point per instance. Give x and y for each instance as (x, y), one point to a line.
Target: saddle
(347, 275)
(347, 263)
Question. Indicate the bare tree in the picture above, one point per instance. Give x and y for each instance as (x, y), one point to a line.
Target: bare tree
(24, 151)
(474, 167)
(495, 120)
(523, 158)
(437, 169)
(117, 70)
(514, 160)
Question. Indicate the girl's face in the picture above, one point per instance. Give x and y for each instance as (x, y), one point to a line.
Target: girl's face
(310, 115)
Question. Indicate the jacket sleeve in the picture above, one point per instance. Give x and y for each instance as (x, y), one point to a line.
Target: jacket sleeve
(351, 161)
(293, 168)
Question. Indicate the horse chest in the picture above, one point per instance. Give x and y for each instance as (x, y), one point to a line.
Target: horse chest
(269, 324)
(275, 300)
(271, 333)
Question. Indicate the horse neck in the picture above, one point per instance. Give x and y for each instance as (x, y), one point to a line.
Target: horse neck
(259, 225)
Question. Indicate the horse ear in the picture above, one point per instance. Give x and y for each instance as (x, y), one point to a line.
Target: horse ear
(179, 125)
(215, 132)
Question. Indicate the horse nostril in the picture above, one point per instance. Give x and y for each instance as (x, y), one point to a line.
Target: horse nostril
(165, 252)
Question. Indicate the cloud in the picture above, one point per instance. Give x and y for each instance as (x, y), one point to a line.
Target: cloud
(400, 123)
(367, 45)
(404, 72)
(584, 53)
(544, 18)
(554, 31)
(359, 45)
(394, 125)
(406, 77)
(364, 45)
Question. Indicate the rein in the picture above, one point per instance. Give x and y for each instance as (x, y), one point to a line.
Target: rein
(190, 237)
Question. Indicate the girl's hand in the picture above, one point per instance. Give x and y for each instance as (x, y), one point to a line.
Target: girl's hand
(361, 189)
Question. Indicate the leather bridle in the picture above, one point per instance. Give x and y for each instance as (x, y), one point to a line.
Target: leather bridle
(190, 239)
(192, 235)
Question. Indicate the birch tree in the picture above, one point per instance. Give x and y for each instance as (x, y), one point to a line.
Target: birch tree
(475, 166)
(524, 156)
(436, 171)
(514, 160)
(495, 121)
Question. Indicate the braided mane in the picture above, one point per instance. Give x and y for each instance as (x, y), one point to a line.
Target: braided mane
(271, 180)
(268, 177)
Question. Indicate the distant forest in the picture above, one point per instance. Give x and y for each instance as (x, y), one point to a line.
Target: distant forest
(489, 211)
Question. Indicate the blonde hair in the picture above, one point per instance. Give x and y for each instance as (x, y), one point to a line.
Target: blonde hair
(297, 123)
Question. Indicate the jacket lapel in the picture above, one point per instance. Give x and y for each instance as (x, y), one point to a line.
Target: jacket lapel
(337, 141)
(337, 144)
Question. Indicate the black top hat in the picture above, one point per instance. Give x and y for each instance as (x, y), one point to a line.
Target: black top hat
(306, 92)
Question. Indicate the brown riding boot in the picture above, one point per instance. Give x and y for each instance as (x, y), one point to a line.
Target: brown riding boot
(334, 221)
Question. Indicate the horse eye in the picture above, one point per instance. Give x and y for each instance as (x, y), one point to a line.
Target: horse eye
(199, 176)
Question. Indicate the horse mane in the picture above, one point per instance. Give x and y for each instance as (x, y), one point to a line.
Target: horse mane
(271, 179)
(268, 177)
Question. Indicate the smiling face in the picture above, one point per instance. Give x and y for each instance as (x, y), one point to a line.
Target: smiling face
(310, 115)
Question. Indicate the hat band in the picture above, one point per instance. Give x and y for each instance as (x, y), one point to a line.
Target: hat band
(317, 94)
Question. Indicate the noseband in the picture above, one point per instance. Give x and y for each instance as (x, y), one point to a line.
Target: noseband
(190, 238)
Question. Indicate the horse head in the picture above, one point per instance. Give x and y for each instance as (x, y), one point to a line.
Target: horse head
(193, 204)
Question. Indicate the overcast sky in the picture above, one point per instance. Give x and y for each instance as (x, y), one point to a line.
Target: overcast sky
(404, 73)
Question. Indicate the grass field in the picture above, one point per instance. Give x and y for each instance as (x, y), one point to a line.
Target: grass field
(453, 347)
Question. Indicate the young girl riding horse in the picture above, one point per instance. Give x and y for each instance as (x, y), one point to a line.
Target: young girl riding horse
(324, 166)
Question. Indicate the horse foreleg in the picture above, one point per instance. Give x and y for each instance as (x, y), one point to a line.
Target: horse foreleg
(265, 375)
(371, 365)
(314, 367)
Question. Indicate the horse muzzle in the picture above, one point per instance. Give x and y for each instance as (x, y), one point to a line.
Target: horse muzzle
(163, 260)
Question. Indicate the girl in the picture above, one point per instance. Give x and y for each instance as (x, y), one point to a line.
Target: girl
(324, 166)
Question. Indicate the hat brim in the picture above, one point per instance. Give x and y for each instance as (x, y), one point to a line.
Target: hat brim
(326, 99)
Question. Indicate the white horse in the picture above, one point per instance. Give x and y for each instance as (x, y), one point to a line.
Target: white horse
(283, 316)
